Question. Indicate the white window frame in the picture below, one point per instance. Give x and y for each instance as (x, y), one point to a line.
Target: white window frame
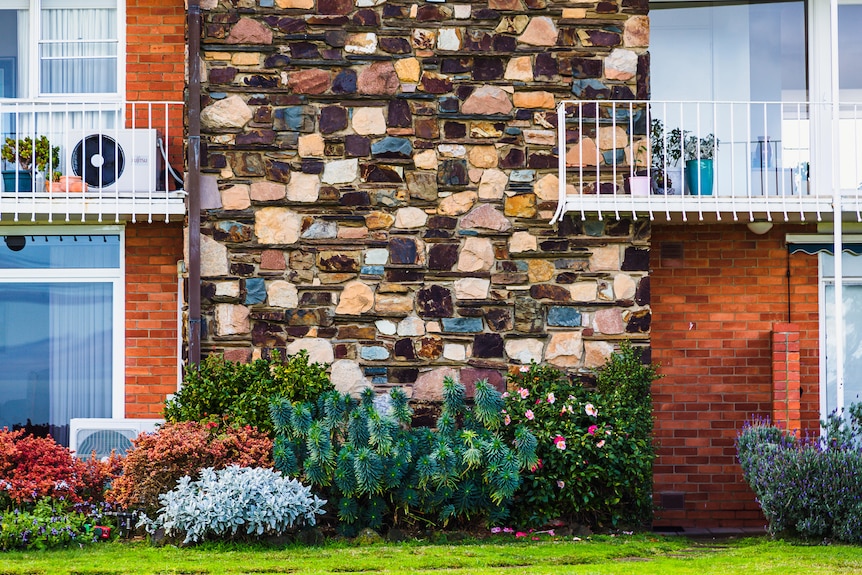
(33, 88)
(115, 276)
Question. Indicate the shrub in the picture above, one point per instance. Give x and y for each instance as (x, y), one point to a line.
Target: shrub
(239, 393)
(49, 524)
(376, 469)
(160, 459)
(807, 487)
(233, 502)
(32, 468)
(594, 446)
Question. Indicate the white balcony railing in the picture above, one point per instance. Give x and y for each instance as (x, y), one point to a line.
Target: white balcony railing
(711, 161)
(128, 156)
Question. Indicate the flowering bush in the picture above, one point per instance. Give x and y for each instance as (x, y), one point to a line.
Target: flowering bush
(32, 468)
(594, 446)
(160, 459)
(807, 487)
(49, 524)
(234, 502)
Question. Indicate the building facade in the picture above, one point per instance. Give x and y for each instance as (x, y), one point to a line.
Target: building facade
(89, 324)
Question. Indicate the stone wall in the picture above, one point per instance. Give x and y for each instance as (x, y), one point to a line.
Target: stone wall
(379, 178)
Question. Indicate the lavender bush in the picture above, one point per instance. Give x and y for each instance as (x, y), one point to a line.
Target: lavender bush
(809, 487)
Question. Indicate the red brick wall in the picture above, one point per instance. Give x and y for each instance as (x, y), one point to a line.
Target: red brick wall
(155, 67)
(152, 252)
(715, 304)
(155, 49)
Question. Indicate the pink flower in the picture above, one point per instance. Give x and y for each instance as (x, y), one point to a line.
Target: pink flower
(592, 429)
(561, 483)
(496, 529)
(523, 392)
(505, 394)
(524, 368)
(507, 420)
(551, 532)
(591, 410)
(535, 538)
(600, 444)
(508, 530)
(560, 442)
(538, 401)
(529, 414)
(520, 534)
(551, 398)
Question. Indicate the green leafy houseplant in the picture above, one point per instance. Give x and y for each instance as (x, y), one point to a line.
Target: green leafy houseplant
(29, 154)
(700, 149)
(665, 148)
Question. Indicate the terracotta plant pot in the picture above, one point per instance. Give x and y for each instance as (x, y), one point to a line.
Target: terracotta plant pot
(66, 184)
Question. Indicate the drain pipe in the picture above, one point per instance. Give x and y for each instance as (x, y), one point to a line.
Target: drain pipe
(193, 106)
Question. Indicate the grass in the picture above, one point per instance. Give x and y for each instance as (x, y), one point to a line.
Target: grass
(638, 554)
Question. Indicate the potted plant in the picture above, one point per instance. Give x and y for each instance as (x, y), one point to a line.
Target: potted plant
(61, 183)
(640, 182)
(32, 156)
(699, 154)
(666, 151)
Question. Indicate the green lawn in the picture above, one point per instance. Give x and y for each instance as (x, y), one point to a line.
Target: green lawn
(636, 554)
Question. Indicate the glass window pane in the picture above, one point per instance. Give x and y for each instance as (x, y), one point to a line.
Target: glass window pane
(60, 252)
(853, 345)
(55, 348)
(10, 53)
(78, 51)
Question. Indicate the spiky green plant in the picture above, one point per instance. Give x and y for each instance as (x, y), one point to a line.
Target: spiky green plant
(375, 469)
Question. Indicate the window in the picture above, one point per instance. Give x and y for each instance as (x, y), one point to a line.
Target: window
(61, 327)
(852, 296)
(59, 47)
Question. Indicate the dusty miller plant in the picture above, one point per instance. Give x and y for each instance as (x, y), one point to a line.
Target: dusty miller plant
(235, 502)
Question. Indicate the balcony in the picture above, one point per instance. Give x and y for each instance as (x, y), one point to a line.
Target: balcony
(710, 161)
(128, 158)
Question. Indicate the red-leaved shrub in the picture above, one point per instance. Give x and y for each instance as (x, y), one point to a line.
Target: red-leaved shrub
(160, 459)
(35, 467)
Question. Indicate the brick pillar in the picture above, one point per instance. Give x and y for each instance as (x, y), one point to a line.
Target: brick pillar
(786, 381)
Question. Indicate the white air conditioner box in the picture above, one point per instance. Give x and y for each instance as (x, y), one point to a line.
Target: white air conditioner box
(123, 161)
(87, 435)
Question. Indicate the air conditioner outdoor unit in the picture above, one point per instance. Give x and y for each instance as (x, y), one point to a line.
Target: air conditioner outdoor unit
(87, 435)
(122, 161)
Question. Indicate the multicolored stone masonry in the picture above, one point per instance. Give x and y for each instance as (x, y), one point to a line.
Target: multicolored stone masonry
(379, 178)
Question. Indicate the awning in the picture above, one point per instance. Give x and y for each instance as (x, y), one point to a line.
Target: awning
(829, 248)
(815, 243)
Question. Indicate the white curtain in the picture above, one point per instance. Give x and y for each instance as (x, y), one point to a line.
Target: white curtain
(80, 352)
(78, 50)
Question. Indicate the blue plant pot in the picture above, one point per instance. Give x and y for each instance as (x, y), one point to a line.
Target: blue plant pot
(25, 181)
(698, 177)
